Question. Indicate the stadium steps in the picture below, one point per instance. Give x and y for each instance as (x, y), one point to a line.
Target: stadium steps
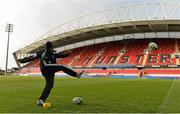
(176, 51)
(73, 63)
(144, 59)
(92, 62)
(116, 61)
(176, 46)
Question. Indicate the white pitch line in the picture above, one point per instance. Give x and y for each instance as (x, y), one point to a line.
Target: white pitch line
(166, 99)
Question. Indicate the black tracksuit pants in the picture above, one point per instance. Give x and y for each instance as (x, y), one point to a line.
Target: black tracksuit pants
(48, 72)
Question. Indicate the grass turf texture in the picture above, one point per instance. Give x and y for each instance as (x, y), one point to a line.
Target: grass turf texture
(19, 94)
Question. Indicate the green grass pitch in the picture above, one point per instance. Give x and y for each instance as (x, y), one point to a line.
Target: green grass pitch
(100, 95)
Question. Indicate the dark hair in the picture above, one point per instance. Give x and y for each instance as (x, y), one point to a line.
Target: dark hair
(49, 45)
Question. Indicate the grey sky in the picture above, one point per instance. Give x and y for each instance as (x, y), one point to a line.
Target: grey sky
(33, 18)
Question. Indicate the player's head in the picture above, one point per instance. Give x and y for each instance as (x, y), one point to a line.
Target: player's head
(49, 45)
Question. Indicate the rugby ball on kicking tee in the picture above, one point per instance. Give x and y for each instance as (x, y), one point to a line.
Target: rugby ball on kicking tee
(153, 46)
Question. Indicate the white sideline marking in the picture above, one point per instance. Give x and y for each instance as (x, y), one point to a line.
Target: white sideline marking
(166, 99)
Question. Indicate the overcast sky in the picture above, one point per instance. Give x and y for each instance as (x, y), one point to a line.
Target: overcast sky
(33, 18)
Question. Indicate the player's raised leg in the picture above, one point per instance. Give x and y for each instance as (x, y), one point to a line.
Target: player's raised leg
(53, 68)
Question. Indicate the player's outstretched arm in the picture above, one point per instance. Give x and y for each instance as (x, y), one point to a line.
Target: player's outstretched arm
(63, 54)
(29, 58)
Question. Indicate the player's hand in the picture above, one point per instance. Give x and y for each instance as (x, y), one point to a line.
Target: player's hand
(69, 52)
(21, 60)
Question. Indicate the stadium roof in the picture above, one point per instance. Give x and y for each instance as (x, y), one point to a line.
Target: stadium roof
(135, 18)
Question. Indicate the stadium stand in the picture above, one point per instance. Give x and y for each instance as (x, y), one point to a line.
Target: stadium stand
(108, 53)
(126, 52)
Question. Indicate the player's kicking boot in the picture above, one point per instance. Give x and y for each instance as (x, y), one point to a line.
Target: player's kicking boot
(80, 74)
(40, 102)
